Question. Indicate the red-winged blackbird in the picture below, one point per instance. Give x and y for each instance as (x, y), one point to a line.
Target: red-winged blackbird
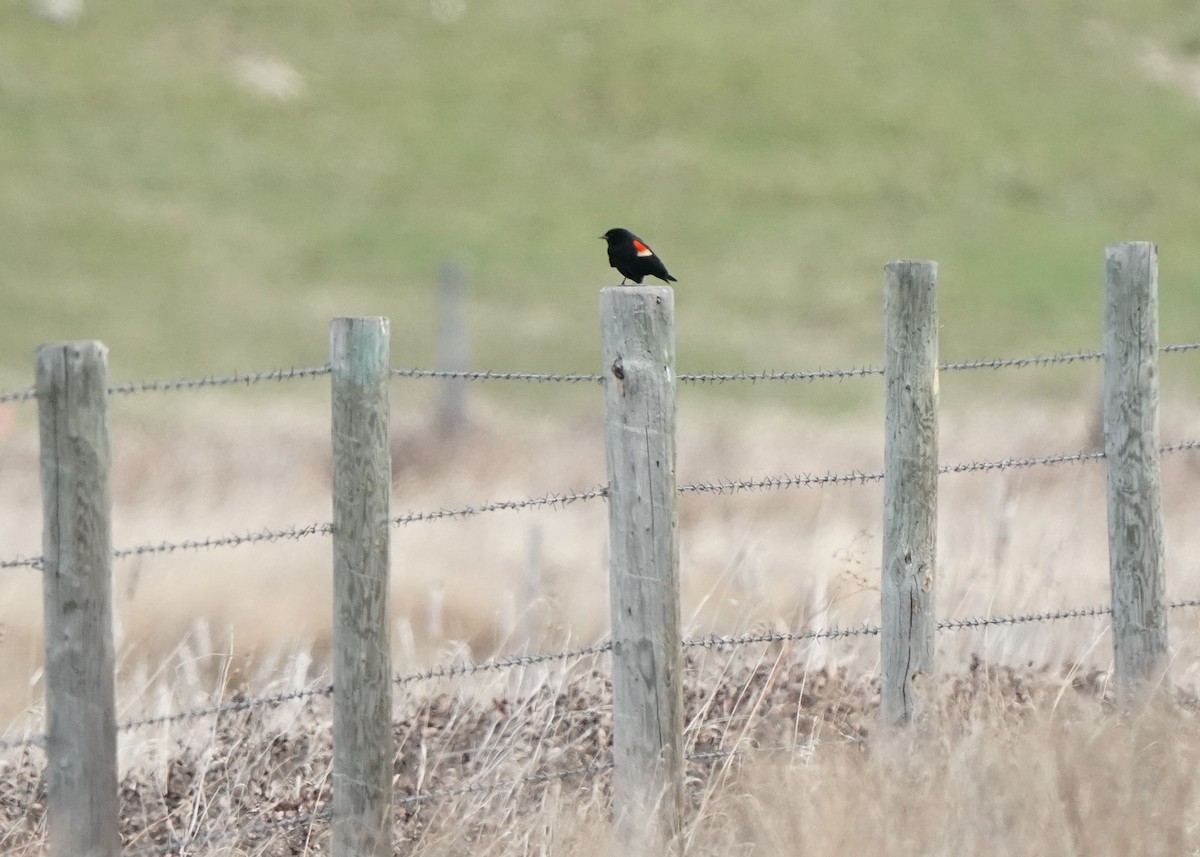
(633, 257)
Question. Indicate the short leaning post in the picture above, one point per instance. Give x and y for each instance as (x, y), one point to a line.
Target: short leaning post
(1135, 527)
(637, 329)
(363, 747)
(81, 734)
(908, 620)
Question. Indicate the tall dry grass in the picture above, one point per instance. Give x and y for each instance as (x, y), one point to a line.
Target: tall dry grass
(1026, 760)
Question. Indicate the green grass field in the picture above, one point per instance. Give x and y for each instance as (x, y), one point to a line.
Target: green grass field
(203, 186)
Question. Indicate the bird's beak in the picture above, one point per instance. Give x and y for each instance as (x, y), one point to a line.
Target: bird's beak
(601, 237)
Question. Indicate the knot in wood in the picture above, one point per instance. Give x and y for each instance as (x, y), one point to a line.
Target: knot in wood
(618, 369)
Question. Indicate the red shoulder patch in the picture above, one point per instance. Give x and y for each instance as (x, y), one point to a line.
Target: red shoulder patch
(642, 249)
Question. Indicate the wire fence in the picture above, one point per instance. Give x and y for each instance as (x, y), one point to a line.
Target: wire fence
(503, 664)
(294, 373)
(561, 500)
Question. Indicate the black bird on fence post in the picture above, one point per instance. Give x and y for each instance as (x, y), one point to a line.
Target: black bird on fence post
(633, 258)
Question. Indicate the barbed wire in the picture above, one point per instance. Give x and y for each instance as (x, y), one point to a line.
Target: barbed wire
(756, 377)
(717, 641)
(501, 664)
(169, 384)
(769, 483)
(713, 642)
(1051, 616)
(231, 707)
(1015, 463)
(237, 378)
(1022, 362)
(553, 500)
(495, 665)
(558, 500)
(490, 375)
(208, 542)
(248, 378)
(18, 395)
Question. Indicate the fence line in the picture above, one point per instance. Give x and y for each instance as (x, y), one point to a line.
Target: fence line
(559, 500)
(713, 642)
(640, 383)
(248, 378)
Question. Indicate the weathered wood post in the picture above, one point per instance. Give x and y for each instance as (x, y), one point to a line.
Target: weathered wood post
(363, 746)
(81, 733)
(1135, 527)
(637, 329)
(908, 620)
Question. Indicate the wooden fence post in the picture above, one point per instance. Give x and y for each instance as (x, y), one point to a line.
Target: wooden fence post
(908, 620)
(1135, 528)
(81, 733)
(637, 329)
(363, 746)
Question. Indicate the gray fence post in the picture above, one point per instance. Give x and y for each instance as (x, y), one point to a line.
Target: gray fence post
(637, 329)
(81, 742)
(908, 620)
(1135, 528)
(363, 746)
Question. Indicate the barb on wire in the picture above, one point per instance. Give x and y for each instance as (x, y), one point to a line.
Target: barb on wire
(1022, 362)
(592, 378)
(18, 395)
(720, 642)
(237, 378)
(488, 375)
(295, 533)
(500, 664)
(1010, 463)
(553, 501)
(732, 486)
(560, 500)
(756, 377)
(234, 705)
(245, 704)
(1051, 616)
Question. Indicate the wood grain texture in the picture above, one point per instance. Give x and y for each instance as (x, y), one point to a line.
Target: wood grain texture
(81, 744)
(1135, 527)
(908, 620)
(637, 330)
(363, 745)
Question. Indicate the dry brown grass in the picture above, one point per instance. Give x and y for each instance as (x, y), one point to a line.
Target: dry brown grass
(1024, 760)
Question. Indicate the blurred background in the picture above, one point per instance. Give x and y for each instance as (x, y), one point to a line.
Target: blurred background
(203, 185)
